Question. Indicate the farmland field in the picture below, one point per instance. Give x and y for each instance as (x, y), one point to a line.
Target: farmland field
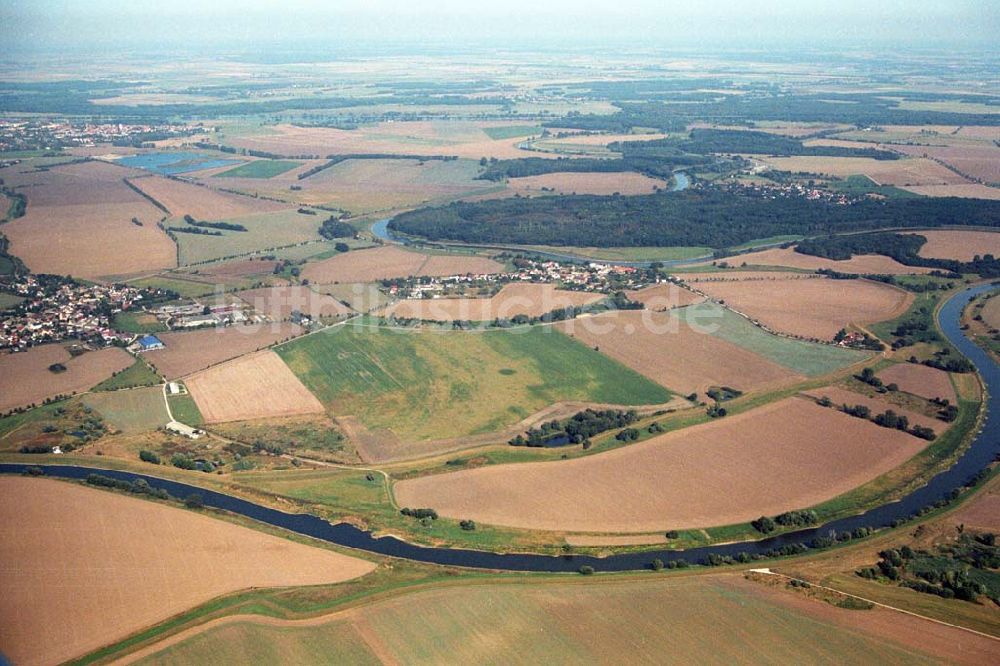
(443, 138)
(920, 380)
(131, 410)
(613, 254)
(25, 377)
(982, 162)
(841, 396)
(958, 244)
(626, 182)
(363, 186)
(202, 203)
(814, 309)
(991, 312)
(188, 351)
(718, 473)
(260, 169)
(390, 261)
(137, 374)
(866, 263)
(134, 562)
(664, 296)
(903, 172)
(255, 386)
(664, 348)
(264, 231)
(421, 385)
(572, 623)
(967, 190)
(80, 216)
(518, 298)
(279, 302)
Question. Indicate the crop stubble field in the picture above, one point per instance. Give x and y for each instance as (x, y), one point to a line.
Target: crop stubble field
(960, 245)
(254, 386)
(866, 263)
(280, 301)
(718, 473)
(85, 567)
(920, 380)
(624, 183)
(202, 203)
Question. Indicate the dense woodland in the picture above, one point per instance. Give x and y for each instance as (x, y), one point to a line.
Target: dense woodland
(697, 217)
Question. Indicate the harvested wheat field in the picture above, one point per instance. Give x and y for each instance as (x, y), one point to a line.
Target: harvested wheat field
(841, 396)
(518, 298)
(84, 567)
(736, 275)
(279, 302)
(718, 473)
(458, 138)
(390, 261)
(25, 377)
(964, 190)
(202, 203)
(907, 171)
(959, 245)
(980, 162)
(79, 222)
(254, 386)
(668, 350)
(626, 182)
(863, 263)
(189, 351)
(814, 309)
(920, 380)
(665, 296)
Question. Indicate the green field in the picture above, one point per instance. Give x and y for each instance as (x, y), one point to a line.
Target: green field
(808, 358)
(133, 410)
(260, 169)
(676, 620)
(185, 410)
(137, 374)
(264, 231)
(138, 322)
(433, 384)
(511, 131)
(858, 185)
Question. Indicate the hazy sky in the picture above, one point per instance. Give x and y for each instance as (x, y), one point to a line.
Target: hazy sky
(228, 24)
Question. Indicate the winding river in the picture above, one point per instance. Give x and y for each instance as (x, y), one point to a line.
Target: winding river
(983, 450)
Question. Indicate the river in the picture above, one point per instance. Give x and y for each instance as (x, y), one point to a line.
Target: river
(983, 450)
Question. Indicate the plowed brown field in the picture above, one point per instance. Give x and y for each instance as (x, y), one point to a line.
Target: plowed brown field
(83, 567)
(919, 380)
(959, 245)
(786, 455)
(665, 296)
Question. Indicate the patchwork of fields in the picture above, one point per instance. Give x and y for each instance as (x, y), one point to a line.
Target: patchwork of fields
(428, 385)
(390, 261)
(518, 298)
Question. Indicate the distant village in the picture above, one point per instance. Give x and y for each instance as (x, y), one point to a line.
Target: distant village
(54, 135)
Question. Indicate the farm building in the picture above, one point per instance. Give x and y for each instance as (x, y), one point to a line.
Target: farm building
(149, 343)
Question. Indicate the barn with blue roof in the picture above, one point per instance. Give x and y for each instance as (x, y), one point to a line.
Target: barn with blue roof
(149, 343)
